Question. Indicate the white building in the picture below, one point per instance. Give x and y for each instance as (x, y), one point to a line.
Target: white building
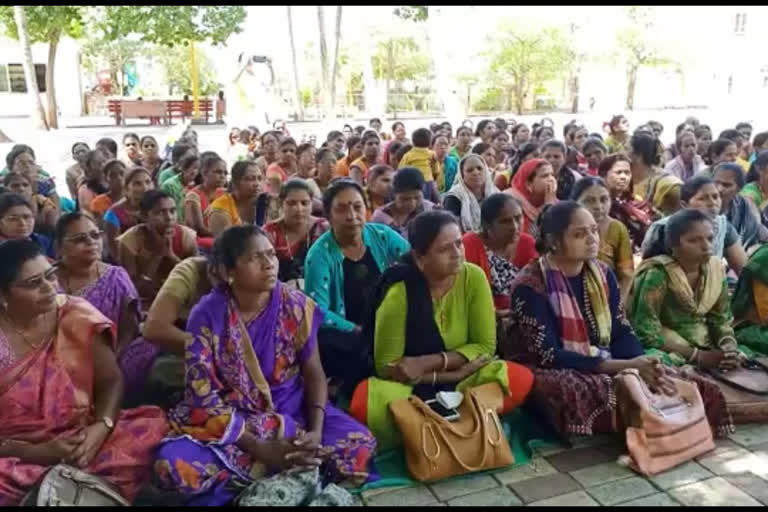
(14, 102)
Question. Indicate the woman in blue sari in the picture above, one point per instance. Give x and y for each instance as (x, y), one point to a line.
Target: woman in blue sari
(256, 399)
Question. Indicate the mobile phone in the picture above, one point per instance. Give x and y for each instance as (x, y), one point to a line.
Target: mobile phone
(448, 414)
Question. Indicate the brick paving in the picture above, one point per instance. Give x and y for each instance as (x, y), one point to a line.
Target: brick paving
(734, 474)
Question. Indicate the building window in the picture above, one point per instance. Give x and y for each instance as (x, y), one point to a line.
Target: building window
(19, 83)
(4, 86)
(741, 23)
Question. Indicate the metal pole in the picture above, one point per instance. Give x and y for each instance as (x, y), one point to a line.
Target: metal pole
(193, 64)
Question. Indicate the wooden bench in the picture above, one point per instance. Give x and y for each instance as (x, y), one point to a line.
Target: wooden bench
(155, 110)
(113, 106)
(185, 109)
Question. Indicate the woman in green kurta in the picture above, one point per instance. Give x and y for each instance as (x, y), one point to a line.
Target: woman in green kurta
(679, 304)
(424, 340)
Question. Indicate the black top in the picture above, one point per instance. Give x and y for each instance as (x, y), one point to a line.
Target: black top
(360, 281)
(453, 205)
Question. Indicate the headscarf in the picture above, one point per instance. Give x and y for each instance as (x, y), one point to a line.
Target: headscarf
(521, 192)
(470, 206)
(664, 186)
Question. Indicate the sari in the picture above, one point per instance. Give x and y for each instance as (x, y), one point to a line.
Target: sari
(48, 394)
(469, 205)
(110, 294)
(746, 220)
(750, 303)
(755, 193)
(564, 327)
(248, 377)
(383, 215)
(678, 167)
(409, 323)
(519, 190)
(664, 308)
(616, 249)
(292, 256)
(634, 214)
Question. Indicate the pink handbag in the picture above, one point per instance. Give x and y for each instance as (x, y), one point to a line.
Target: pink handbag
(661, 431)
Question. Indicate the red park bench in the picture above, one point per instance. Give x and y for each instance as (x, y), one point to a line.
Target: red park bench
(156, 110)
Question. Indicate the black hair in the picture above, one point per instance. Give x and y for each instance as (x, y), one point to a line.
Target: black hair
(110, 164)
(303, 147)
(402, 149)
(480, 148)
(287, 141)
(656, 124)
(425, 227)
(584, 183)
(79, 144)
(554, 143)
(761, 162)
(359, 128)
(681, 127)
(501, 124)
(15, 152)
(701, 130)
(681, 135)
(553, 222)
(179, 150)
(730, 134)
(89, 158)
(759, 139)
(537, 133)
(481, 126)
(719, 146)
(232, 243)
(322, 152)
(370, 135)
(492, 205)
(151, 198)
(516, 129)
(135, 171)
(147, 137)
(679, 223)
(407, 179)
(594, 142)
(13, 255)
(374, 120)
(615, 121)
(272, 133)
(62, 225)
(396, 124)
(734, 169)
(464, 128)
(525, 150)
(9, 200)
(743, 124)
(208, 159)
(498, 134)
(336, 187)
(647, 147)
(188, 161)
(421, 137)
(693, 185)
(439, 135)
(353, 141)
(239, 169)
(11, 175)
(108, 143)
(130, 135)
(294, 184)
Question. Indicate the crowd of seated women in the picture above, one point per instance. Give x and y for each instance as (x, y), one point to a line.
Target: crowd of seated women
(197, 327)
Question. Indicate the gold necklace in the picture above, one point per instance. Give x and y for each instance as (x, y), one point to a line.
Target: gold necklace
(21, 334)
(69, 290)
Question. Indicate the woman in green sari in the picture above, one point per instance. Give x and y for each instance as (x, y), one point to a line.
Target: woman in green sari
(679, 303)
(750, 303)
(423, 339)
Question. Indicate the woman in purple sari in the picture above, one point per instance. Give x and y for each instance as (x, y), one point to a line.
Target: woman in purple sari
(81, 273)
(247, 411)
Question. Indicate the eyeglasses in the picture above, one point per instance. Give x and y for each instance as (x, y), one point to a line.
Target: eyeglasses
(37, 281)
(82, 238)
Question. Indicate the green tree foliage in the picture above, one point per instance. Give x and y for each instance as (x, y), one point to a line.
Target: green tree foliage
(100, 54)
(412, 12)
(637, 46)
(400, 59)
(169, 25)
(175, 65)
(523, 59)
(47, 24)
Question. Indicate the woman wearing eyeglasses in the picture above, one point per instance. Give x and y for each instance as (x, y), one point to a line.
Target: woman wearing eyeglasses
(109, 288)
(17, 222)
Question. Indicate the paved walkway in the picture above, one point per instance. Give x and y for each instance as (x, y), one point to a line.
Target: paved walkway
(735, 473)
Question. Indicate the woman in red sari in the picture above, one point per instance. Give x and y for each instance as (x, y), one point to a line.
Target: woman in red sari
(60, 386)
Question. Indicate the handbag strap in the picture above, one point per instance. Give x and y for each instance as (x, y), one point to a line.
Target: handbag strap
(83, 480)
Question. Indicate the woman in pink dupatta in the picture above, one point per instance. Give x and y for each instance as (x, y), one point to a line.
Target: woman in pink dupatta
(60, 386)
(535, 186)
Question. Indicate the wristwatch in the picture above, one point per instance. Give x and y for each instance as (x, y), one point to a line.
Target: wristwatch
(108, 422)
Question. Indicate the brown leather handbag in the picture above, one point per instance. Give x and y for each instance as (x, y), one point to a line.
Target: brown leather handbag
(436, 448)
(661, 431)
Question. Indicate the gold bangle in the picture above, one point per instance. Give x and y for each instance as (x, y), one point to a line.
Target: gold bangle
(434, 378)
(445, 360)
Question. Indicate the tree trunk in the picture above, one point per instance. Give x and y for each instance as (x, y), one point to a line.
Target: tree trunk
(38, 117)
(335, 67)
(575, 92)
(326, 85)
(390, 70)
(631, 82)
(50, 86)
(295, 65)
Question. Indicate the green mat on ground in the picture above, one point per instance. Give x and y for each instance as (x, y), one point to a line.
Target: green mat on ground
(519, 428)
